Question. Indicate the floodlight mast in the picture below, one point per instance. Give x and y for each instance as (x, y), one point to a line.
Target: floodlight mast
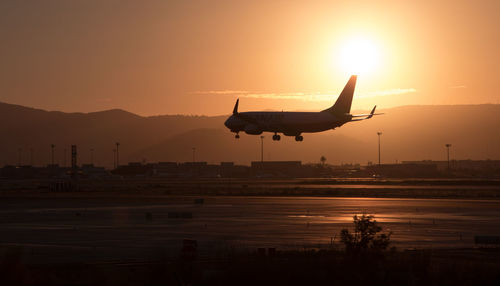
(379, 133)
(117, 154)
(448, 154)
(52, 146)
(261, 149)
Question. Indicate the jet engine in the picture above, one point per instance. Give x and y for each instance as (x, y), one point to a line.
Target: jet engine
(252, 129)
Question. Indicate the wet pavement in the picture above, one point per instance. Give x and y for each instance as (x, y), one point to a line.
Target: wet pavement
(105, 228)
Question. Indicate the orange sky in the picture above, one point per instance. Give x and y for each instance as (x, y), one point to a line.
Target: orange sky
(196, 57)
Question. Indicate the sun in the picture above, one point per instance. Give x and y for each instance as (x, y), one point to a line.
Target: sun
(359, 55)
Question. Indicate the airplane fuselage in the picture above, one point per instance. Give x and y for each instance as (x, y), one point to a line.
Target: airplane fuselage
(288, 123)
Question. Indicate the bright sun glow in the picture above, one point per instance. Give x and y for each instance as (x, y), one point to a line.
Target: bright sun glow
(359, 56)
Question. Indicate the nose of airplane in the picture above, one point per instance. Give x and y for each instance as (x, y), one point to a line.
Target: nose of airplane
(227, 123)
(234, 123)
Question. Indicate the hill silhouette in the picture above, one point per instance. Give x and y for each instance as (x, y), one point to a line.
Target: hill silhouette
(409, 133)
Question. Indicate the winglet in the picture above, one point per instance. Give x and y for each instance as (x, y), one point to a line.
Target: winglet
(366, 116)
(235, 110)
(372, 112)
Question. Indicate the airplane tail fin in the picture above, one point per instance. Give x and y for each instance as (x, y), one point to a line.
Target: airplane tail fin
(343, 103)
(235, 109)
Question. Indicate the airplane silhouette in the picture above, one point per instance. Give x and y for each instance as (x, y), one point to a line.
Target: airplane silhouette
(296, 123)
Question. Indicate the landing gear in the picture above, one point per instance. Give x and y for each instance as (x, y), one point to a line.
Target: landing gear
(299, 138)
(276, 137)
(237, 136)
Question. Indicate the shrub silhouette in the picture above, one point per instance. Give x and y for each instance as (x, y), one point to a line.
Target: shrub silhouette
(365, 236)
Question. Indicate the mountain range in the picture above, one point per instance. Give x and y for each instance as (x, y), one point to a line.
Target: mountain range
(408, 133)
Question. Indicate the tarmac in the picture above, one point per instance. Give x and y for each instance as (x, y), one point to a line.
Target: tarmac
(66, 228)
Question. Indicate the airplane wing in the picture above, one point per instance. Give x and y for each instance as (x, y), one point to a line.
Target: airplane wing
(366, 116)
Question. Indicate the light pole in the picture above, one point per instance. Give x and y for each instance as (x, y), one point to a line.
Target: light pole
(91, 156)
(52, 146)
(379, 133)
(261, 149)
(114, 158)
(448, 154)
(117, 155)
(194, 154)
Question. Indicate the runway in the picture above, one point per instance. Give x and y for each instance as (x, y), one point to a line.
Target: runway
(86, 229)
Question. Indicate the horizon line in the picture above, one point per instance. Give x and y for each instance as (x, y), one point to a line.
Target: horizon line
(217, 115)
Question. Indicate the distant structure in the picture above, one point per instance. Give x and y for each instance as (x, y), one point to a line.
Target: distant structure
(322, 160)
(406, 170)
(259, 169)
(448, 154)
(465, 168)
(73, 157)
(262, 148)
(117, 154)
(379, 133)
(277, 168)
(52, 146)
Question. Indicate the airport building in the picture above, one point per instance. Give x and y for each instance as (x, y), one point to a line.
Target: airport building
(405, 170)
(466, 168)
(259, 169)
(277, 168)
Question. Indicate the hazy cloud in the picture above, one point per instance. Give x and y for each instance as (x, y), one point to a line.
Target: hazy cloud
(306, 96)
(221, 92)
(395, 91)
(458, 86)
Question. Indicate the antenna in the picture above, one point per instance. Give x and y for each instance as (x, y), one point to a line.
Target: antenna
(448, 154)
(262, 149)
(379, 133)
(117, 154)
(52, 146)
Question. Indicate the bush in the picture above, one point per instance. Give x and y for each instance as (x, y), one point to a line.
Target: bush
(365, 236)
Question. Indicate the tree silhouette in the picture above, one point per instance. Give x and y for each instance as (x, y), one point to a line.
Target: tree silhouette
(322, 160)
(365, 235)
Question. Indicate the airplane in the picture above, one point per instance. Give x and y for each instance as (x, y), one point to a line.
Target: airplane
(296, 123)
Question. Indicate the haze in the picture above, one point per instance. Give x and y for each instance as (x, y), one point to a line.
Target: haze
(196, 57)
